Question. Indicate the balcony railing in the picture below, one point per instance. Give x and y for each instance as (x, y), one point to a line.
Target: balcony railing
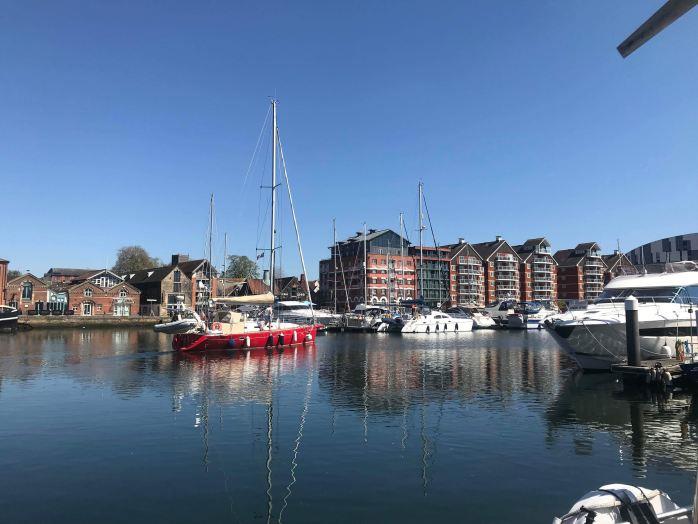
(593, 262)
(506, 287)
(507, 278)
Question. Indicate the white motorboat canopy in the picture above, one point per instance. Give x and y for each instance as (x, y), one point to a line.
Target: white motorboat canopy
(264, 299)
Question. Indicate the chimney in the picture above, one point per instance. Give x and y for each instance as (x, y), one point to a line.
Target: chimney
(616, 252)
(371, 231)
(178, 259)
(461, 240)
(499, 238)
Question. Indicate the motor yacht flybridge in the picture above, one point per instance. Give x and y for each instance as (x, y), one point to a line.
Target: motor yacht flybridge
(595, 337)
(231, 329)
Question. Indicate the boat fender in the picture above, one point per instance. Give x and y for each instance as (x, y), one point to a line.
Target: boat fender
(216, 326)
(270, 340)
(680, 355)
(295, 337)
(428, 329)
(445, 327)
(247, 341)
(282, 338)
(456, 327)
(437, 328)
(231, 343)
(309, 337)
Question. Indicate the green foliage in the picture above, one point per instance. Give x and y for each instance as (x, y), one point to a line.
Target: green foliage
(130, 259)
(13, 273)
(239, 266)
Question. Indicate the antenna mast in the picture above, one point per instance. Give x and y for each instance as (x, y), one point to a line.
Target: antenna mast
(365, 269)
(421, 246)
(334, 259)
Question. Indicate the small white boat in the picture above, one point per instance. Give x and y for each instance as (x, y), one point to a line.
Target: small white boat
(623, 504)
(428, 321)
(301, 313)
(184, 321)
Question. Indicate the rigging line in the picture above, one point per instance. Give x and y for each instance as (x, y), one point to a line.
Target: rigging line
(344, 280)
(436, 245)
(254, 155)
(298, 233)
(294, 462)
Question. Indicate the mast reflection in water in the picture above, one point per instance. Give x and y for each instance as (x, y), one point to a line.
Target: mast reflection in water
(482, 427)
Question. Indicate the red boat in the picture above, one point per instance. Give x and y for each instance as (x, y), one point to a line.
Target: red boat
(263, 338)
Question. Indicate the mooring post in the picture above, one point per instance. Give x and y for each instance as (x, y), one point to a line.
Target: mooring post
(632, 332)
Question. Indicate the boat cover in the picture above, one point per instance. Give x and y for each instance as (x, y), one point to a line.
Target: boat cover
(266, 298)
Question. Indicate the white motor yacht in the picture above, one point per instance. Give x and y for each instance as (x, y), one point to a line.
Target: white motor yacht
(481, 319)
(184, 320)
(595, 337)
(427, 321)
(529, 315)
(500, 310)
(301, 313)
(8, 317)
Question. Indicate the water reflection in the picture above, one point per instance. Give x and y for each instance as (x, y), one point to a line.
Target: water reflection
(648, 425)
(407, 425)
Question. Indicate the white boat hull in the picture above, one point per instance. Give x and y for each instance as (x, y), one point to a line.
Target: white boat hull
(452, 325)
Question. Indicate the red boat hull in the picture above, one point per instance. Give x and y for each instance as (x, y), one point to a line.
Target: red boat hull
(271, 338)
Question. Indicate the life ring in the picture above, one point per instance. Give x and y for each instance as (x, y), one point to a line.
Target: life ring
(216, 326)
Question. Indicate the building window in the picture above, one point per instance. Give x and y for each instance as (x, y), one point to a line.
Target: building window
(27, 290)
(88, 292)
(99, 307)
(461, 260)
(177, 278)
(123, 293)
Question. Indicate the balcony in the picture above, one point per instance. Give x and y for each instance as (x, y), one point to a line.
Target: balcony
(502, 286)
(507, 277)
(542, 288)
(505, 264)
(593, 262)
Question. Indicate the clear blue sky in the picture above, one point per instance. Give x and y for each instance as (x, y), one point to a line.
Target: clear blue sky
(117, 119)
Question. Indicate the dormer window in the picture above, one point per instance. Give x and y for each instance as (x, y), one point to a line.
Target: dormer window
(88, 292)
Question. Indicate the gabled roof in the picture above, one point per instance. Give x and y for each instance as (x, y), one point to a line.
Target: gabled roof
(527, 249)
(567, 258)
(487, 249)
(92, 273)
(25, 277)
(257, 286)
(284, 282)
(67, 272)
(157, 274)
(87, 283)
(588, 245)
(460, 247)
(371, 234)
(613, 260)
(3, 261)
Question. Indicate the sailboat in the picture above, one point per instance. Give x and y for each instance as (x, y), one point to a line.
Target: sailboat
(234, 329)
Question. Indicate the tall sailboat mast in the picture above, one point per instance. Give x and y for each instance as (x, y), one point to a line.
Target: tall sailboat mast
(210, 258)
(421, 246)
(402, 254)
(274, 147)
(334, 259)
(365, 269)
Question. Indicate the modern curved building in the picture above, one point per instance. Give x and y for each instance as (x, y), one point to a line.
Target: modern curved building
(669, 249)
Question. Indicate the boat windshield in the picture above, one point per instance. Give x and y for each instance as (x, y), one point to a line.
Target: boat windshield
(643, 295)
(528, 308)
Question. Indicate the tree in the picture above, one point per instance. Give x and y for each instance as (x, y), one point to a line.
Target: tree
(239, 266)
(13, 273)
(130, 259)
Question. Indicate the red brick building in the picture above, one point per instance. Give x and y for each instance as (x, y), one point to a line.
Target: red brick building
(466, 275)
(501, 265)
(580, 272)
(432, 280)
(388, 267)
(102, 293)
(24, 291)
(537, 271)
(3, 280)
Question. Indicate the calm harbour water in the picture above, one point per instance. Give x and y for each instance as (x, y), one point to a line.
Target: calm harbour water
(112, 426)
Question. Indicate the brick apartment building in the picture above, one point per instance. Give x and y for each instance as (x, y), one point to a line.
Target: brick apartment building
(3, 280)
(467, 275)
(389, 268)
(183, 282)
(501, 270)
(434, 275)
(537, 270)
(580, 272)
